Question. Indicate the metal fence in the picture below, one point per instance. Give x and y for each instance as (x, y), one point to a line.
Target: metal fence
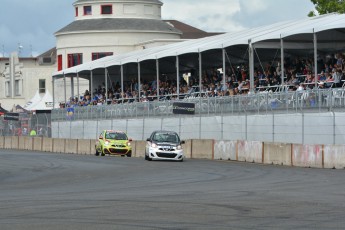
(258, 103)
(27, 122)
(206, 108)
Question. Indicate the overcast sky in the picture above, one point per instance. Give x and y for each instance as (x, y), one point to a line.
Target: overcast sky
(32, 23)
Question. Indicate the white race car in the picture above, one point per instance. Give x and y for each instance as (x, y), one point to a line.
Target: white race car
(164, 145)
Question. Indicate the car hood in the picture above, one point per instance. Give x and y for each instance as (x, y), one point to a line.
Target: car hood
(166, 143)
(118, 141)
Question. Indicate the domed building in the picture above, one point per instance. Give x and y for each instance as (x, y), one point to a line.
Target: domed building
(110, 27)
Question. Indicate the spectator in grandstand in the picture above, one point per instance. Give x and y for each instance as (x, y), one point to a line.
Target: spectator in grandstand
(322, 85)
(301, 87)
(337, 75)
(293, 82)
(322, 76)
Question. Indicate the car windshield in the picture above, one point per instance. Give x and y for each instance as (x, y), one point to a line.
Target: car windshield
(116, 136)
(166, 137)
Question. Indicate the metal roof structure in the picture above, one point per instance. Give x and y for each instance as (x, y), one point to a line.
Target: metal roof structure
(298, 34)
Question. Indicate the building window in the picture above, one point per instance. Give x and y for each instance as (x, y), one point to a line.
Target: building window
(96, 56)
(106, 9)
(59, 62)
(87, 10)
(76, 11)
(129, 9)
(7, 89)
(42, 85)
(74, 59)
(18, 87)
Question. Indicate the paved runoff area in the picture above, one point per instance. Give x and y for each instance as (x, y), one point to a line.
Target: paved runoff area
(65, 191)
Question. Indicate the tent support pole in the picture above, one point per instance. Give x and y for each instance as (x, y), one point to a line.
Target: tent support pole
(78, 86)
(64, 82)
(91, 83)
(157, 71)
(251, 66)
(200, 73)
(315, 60)
(282, 61)
(224, 66)
(178, 76)
(53, 84)
(139, 83)
(122, 90)
(106, 85)
(72, 87)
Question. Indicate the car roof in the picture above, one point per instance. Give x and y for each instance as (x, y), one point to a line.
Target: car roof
(164, 131)
(114, 131)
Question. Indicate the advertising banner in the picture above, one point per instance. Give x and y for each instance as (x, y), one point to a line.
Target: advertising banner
(11, 117)
(183, 108)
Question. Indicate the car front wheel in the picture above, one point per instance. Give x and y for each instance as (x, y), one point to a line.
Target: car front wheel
(147, 158)
(102, 152)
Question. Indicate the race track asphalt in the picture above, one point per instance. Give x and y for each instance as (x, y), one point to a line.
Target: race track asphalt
(64, 191)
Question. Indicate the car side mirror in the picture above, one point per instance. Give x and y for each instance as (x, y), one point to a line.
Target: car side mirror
(130, 139)
(183, 142)
(148, 139)
(101, 138)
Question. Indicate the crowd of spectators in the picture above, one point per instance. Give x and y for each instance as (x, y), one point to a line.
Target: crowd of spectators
(299, 75)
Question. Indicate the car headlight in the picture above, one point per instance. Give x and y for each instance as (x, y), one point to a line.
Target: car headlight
(106, 143)
(153, 145)
(128, 143)
(179, 147)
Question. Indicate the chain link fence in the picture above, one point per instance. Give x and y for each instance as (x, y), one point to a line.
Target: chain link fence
(213, 118)
(26, 125)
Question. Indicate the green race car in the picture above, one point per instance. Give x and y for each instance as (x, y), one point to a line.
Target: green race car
(113, 143)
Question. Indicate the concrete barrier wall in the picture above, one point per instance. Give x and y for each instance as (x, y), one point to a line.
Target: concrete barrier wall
(187, 149)
(28, 143)
(250, 151)
(138, 148)
(58, 145)
(2, 142)
(278, 154)
(307, 156)
(47, 144)
(84, 147)
(203, 149)
(334, 156)
(225, 150)
(318, 156)
(37, 143)
(14, 142)
(71, 146)
(92, 146)
(7, 142)
(21, 143)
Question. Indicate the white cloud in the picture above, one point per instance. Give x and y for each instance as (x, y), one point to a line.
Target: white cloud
(234, 15)
(210, 17)
(254, 6)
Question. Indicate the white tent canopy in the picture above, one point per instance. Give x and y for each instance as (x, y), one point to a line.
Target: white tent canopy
(310, 36)
(33, 101)
(275, 31)
(44, 103)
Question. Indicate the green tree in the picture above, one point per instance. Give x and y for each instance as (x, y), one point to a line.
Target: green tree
(327, 6)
